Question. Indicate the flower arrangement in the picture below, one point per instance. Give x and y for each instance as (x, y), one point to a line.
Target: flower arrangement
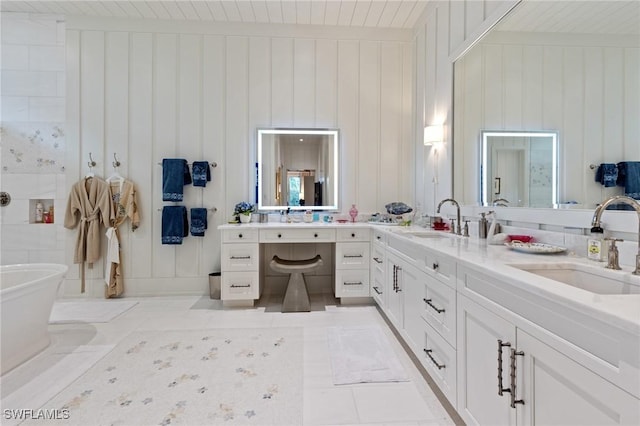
(243, 208)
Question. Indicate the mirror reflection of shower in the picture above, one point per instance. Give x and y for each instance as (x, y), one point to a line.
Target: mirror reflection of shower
(301, 185)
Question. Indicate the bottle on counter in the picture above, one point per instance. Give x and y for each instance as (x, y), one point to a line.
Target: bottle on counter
(483, 225)
(39, 212)
(597, 247)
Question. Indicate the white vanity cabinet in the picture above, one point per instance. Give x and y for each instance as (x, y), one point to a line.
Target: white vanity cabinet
(352, 262)
(506, 375)
(378, 268)
(240, 265)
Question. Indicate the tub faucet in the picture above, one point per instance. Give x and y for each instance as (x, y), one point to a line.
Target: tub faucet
(454, 202)
(595, 222)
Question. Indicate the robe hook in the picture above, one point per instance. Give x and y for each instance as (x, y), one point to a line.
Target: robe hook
(115, 163)
(91, 163)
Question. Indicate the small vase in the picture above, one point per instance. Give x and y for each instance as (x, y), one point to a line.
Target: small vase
(245, 218)
(353, 212)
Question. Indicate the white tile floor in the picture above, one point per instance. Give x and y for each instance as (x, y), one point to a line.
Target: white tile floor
(75, 347)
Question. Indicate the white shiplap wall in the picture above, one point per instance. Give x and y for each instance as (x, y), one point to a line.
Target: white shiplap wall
(148, 90)
(586, 88)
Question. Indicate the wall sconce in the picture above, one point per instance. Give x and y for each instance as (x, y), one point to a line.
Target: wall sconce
(433, 134)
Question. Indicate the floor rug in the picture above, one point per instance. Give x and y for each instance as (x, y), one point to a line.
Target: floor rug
(191, 377)
(88, 311)
(363, 355)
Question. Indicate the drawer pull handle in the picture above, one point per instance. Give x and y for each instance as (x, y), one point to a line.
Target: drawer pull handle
(377, 260)
(240, 257)
(435, 265)
(428, 302)
(239, 235)
(378, 237)
(315, 235)
(433, 360)
(376, 290)
(514, 401)
(279, 235)
(350, 256)
(353, 235)
(500, 388)
(240, 286)
(352, 283)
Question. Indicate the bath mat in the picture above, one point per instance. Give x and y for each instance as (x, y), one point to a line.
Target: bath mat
(191, 377)
(363, 355)
(88, 310)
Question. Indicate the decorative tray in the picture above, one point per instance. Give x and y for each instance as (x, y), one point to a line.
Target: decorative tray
(535, 248)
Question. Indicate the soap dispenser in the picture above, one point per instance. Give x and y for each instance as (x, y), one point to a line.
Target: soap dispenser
(597, 248)
(483, 225)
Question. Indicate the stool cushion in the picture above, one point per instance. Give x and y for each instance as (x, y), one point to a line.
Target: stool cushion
(288, 266)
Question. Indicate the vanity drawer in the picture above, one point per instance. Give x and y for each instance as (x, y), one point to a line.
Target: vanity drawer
(239, 257)
(352, 255)
(377, 262)
(439, 309)
(240, 235)
(378, 237)
(352, 234)
(239, 285)
(439, 266)
(297, 235)
(439, 358)
(352, 283)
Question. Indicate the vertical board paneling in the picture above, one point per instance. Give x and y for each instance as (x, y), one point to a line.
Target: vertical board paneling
(473, 120)
(304, 83)
(593, 125)
(613, 103)
(391, 114)
(418, 153)
(632, 104)
(513, 87)
(348, 74)
(326, 83)
(142, 165)
(259, 95)
(456, 27)
(368, 150)
(282, 82)
(430, 157)
(442, 103)
(213, 148)
(407, 181)
(573, 118)
(552, 72)
(237, 126)
(165, 103)
(493, 86)
(532, 88)
(189, 139)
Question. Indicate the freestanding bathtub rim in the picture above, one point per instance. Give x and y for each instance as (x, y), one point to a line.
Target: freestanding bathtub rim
(55, 268)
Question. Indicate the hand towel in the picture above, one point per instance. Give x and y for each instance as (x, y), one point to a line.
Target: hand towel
(607, 174)
(175, 175)
(174, 224)
(629, 177)
(198, 221)
(201, 173)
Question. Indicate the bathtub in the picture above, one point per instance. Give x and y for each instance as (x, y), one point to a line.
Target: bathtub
(27, 293)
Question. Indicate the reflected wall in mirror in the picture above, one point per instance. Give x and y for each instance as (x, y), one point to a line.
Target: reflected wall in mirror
(569, 66)
(298, 169)
(519, 169)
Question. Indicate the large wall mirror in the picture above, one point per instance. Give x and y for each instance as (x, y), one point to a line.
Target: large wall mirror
(569, 67)
(297, 169)
(519, 168)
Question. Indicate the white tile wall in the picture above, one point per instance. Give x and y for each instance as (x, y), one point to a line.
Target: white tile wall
(33, 90)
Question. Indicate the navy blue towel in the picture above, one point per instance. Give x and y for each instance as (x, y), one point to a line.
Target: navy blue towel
(198, 221)
(175, 175)
(629, 177)
(607, 174)
(201, 173)
(174, 224)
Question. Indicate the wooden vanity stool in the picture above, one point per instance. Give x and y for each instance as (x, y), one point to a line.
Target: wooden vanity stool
(296, 298)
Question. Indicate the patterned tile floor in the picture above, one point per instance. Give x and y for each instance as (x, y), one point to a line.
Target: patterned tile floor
(75, 347)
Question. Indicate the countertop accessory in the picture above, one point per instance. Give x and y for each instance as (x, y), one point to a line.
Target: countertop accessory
(521, 238)
(613, 256)
(535, 248)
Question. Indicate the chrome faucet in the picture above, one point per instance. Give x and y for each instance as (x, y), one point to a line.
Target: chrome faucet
(500, 202)
(595, 222)
(454, 202)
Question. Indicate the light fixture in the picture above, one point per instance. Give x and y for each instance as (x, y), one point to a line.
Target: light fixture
(433, 134)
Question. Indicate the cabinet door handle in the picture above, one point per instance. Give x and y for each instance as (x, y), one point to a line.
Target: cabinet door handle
(435, 266)
(433, 360)
(353, 235)
(428, 302)
(514, 401)
(240, 257)
(376, 290)
(378, 237)
(350, 256)
(239, 235)
(500, 346)
(315, 235)
(240, 286)
(377, 260)
(279, 235)
(352, 283)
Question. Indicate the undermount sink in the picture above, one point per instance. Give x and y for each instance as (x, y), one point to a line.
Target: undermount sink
(592, 278)
(421, 233)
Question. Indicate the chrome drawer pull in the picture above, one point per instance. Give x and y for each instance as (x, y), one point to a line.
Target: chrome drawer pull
(239, 257)
(376, 290)
(377, 260)
(428, 302)
(500, 388)
(435, 266)
(240, 286)
(352, 283)
(350, 256)
(433, 360)
(514, 401)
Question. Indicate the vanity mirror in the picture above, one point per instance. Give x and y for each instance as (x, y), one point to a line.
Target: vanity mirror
(298, 169)
(519, 168)
(565, 66)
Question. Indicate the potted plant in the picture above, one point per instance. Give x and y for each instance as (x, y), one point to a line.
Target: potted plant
(243, 211)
